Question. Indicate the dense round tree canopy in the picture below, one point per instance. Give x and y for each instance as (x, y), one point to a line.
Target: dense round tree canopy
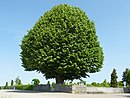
(35, 81)
(62, 44)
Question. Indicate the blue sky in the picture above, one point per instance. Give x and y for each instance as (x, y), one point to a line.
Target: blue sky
(112, 21)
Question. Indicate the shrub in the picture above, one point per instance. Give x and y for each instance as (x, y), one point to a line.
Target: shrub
(25, 87)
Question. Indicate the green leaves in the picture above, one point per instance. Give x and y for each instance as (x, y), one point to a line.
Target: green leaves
(63, 42)
(114, 79)
(128, 78)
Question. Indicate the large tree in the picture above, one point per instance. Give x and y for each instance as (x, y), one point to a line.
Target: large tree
(124, 76)
(128, 78)
(63, 45)
(114, 77)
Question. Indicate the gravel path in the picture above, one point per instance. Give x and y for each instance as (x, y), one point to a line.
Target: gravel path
(31, 94)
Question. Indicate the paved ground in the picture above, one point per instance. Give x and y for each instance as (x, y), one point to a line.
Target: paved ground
(30, 94)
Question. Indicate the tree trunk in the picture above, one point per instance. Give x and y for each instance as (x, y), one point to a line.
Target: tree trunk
(59, 80)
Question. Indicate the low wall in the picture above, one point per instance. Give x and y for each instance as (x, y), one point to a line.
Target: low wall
(62, 88)
(85, 89)
(80, 89)
(92, 90)
(126, 90)
(45, 88)
(104, 90)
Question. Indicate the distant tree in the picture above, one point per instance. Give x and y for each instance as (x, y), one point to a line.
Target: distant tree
(71, 83)
(82, 82)
(124, 76)
(48, 82)
(18, 81)
(114, 77)
(12, 82)
(94, 84)
(78, 83)
(63, 45)
(65, 83)
(128, 78)
(35, 81)
(53, 85)
(105, 83)
(6, 85)
(120, 84)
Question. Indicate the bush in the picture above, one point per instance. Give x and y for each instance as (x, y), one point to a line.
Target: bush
(103, 84)
(120, 84)
(25, 87)
(53, 85)
(94, 84)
